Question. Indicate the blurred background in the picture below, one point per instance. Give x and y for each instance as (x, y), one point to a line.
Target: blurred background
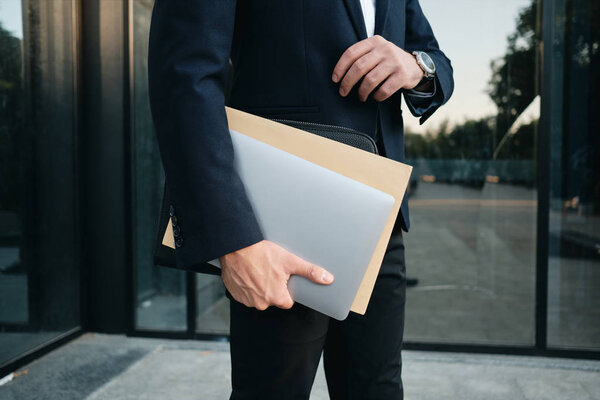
(505, 193)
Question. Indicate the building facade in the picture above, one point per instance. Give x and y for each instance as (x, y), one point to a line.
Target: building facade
(505, 194)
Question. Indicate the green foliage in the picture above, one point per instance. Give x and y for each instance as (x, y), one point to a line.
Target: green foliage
(512, 86)
(469, 140)
(521, 144)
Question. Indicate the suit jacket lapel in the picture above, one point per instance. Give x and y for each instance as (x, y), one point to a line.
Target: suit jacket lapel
(381, 15)
(356, 16)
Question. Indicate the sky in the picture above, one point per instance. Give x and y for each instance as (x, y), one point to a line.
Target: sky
(471, 33)
(10, 17)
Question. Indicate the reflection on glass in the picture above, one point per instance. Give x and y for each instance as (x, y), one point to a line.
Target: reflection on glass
(161, 302)
(39, 280)
(473, 195)
(212, 305)
(574, 264)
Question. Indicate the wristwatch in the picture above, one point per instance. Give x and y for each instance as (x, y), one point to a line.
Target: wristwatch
(426, 64)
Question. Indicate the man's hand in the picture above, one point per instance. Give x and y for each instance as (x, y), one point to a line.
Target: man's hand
(257, 275)
(377, 60)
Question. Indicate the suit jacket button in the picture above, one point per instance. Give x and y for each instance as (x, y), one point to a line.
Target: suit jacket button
(176, 230)
(174, 220)
(178, 241)
(171, 210)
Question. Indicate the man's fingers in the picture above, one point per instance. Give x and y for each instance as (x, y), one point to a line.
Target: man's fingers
(372, 80)
(359, 68)
(352, 54)
(285, 302)
(280, 297)
(392, 84)
(311, 272)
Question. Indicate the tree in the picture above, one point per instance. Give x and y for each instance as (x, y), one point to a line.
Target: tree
(512, 86)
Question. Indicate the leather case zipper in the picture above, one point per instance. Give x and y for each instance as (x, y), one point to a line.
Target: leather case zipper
(345, 135)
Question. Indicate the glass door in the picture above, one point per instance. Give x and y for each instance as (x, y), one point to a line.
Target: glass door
(473, 193)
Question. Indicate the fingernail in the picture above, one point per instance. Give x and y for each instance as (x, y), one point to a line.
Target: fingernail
(327, 277)
(334, 77)
(342, 92)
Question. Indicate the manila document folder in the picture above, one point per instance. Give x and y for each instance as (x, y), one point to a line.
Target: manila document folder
(381, 173)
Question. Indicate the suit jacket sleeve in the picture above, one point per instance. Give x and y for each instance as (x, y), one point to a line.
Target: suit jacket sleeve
(419, 36)
(190, 42)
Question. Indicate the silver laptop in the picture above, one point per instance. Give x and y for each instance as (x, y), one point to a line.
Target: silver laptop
(320, 215)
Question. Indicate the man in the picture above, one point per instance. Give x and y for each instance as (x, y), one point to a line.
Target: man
(338, 62)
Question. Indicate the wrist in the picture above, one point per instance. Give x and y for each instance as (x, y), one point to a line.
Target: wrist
(241, 251)
(422, 78)
(225, 258)
(424, 85)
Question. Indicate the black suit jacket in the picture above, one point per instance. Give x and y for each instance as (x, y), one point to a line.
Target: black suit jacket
(283, 54)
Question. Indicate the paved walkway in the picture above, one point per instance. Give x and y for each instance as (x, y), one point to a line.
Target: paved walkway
(114, 367)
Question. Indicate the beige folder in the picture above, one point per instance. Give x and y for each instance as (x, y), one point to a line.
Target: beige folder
(384, 174)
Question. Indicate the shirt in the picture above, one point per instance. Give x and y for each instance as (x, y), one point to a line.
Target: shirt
(368, 10)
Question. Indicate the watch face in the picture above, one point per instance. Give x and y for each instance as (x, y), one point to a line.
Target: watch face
(427, 62)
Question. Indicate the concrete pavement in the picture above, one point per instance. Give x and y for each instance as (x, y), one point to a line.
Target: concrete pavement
(115, 367)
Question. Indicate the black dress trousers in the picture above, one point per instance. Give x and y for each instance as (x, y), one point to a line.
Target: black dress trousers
(275, 352)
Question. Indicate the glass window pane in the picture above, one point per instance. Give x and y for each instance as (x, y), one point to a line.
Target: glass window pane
(212, 305)
(161, 301)
(574, 263)
(39, 274)
(473, 194)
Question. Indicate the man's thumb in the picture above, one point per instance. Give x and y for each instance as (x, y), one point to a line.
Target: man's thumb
(313, 272)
